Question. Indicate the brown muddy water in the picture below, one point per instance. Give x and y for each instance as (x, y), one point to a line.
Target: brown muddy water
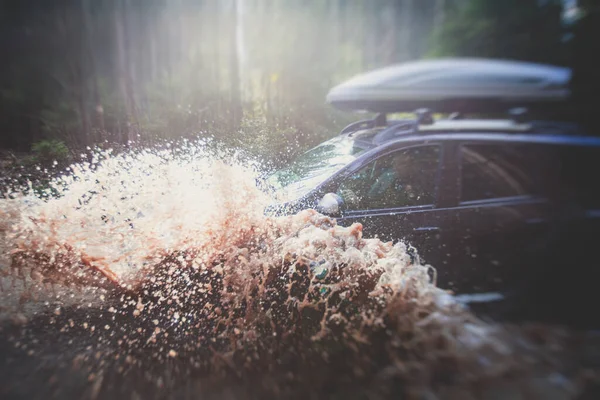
(155, 274)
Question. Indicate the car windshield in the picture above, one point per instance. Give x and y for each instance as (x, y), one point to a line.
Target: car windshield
(314, 166)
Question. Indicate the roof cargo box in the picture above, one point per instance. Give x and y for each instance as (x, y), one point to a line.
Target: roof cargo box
(454, 85)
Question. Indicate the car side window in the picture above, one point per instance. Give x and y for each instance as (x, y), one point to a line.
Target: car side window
(402, 179)
(490, 171)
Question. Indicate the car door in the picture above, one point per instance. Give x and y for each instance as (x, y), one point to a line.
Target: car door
(395, 196)
(499, 211)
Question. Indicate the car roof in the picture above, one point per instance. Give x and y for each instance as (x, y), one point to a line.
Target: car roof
(500, 125)
(368, 136)
(508, 137)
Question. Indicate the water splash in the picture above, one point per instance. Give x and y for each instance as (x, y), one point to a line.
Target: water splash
(164, 256)
(118, 214)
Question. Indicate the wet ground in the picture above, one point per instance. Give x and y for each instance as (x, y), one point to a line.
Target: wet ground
(40, 360)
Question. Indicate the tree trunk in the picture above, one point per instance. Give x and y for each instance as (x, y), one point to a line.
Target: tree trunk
(389, 38)
(124, 78)
(241, 48)
(371, 37)
(91, 51)
(81, 105)
(77, 61)
(153, 49)
(236, 103)
(334, 23)
(439, 15)
(408, 26)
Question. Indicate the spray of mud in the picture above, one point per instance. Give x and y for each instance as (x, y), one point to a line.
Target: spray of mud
(165, 263)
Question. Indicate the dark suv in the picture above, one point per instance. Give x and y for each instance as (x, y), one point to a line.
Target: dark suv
(476, 198)
(504, 209)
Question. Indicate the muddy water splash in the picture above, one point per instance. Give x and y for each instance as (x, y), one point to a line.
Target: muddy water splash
(164, 262)
(117, 214)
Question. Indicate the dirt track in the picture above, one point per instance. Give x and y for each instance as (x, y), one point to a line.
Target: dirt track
(39, 362)
(61, 365)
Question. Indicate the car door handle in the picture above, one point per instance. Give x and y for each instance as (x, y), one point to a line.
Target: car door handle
(427, 229)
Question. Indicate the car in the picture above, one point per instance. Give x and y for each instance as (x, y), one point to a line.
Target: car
(479, 198)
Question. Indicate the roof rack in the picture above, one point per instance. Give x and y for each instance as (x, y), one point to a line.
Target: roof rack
(402, 128)
(424, 116)
(519, 119)
(380, 120)
(358, 125)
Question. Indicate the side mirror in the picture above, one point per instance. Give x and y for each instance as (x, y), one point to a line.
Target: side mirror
(331, 205)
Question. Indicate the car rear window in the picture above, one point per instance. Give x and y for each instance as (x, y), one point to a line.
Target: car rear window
(490, 171)
(501, 170)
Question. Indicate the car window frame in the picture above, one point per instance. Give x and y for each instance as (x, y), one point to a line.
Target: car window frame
(493, 200)
(387, 150)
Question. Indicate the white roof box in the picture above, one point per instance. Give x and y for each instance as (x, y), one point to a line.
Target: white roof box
(449, 85)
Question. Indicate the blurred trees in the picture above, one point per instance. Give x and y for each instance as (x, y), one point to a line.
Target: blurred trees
(85, 71)
(251, 73)
(527, 30)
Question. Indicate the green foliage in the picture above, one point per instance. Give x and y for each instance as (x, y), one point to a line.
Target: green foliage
(165, 69)
(48, 151)
(512, 29)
